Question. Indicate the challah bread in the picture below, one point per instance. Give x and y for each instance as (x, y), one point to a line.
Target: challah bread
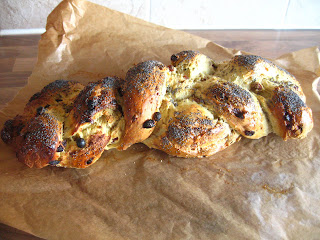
(194, 107)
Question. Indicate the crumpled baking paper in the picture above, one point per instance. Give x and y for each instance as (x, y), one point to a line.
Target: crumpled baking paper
(255, 189)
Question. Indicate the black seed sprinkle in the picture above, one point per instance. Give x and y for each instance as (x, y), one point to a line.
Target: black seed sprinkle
(25, 136)
(58, 100)
(120, 91)
(222, 95)
(157, 116)
(47, 106)
(8, 124)
(81, 143)
(19, 128)
(89, 161)
(249, 133)
(90, 104)
(149, 123)
(40, 110)
(60, 148)
(120, 109)
(87, 119)
(238, 113)
(35, 96)
(289, 126)
(58, 84)
(287, 117)
(53, 163)
(114, 102)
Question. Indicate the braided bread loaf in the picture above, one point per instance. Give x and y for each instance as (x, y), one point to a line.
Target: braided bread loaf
(192, 108)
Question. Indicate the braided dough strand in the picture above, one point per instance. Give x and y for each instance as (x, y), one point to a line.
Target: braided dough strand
(194, 107)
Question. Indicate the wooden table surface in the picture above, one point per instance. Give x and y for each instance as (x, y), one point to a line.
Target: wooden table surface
(18, 54)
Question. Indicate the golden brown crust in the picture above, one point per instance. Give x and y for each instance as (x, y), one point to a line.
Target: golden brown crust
(276, 90)
(143, 90)
(12, 129)
(188, 56)
(251, 63)
(92, 100)
(191, 131)
(191, 65)
(293, 117)
(193, 108)
(94, 114)
(56, 93)
(38, 132)
(238, 107)
(38, 140)
(41, 135)
(260, 72)
(83, 157)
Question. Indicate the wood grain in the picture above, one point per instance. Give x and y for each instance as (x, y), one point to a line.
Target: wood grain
(18, 55)
(266, 43)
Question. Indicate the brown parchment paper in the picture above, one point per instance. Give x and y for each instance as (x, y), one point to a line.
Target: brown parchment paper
(255, 189)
